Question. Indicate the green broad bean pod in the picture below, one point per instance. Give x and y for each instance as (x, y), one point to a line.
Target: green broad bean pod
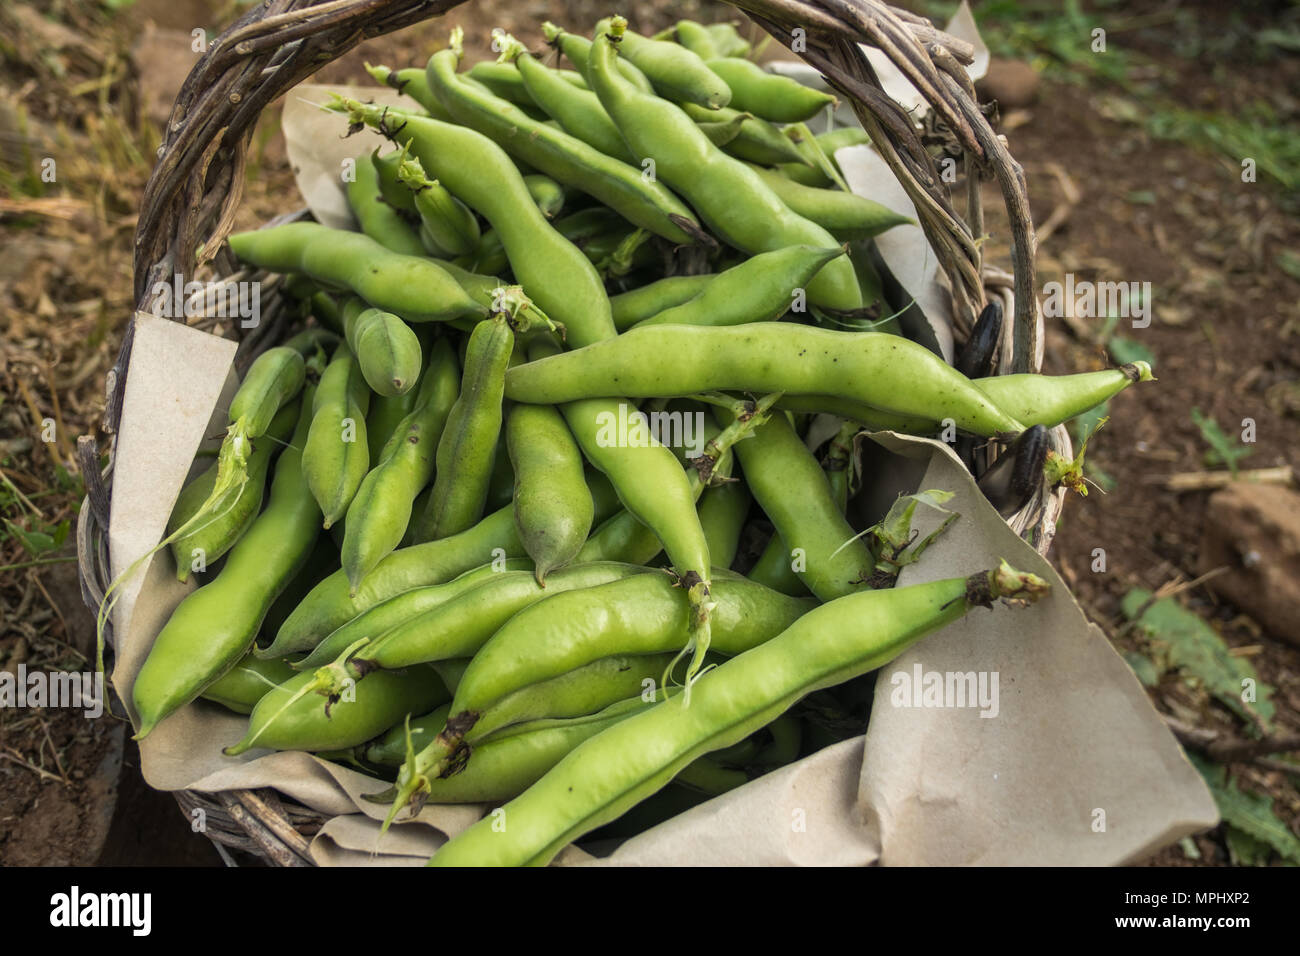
(391, 188)
(1050, 400)
(414, 287)
(215, 626)
(632, 306)
(387, 349)
(881, 370)
(552, 271)
(642, 614)
(844, 215)
(468, 444)
(413, 83)
(756, 141)
(641, 200)
(773, 97)
(553, 505)
(723, 510)
(448, 226)
(731, 199)
(760, 289)
(676, 73)
(623, 765)
(288, 719)
(379, 220)
(211, 538)
(576, 109)
(241, 687)
(791, 488)
(380, 511)
(577, 49)
(336, 456)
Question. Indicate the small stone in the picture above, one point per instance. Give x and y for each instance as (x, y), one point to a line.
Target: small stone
(1014, 84)
(1254, 531)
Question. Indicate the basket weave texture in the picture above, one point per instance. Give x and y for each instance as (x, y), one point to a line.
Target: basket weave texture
(189, 207)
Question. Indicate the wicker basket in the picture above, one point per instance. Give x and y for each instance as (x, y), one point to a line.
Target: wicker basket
(189, 204)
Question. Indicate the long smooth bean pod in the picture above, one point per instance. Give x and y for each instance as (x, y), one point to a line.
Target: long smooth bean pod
(288, 719)
(413, 83)
(553, 506)
(461, 625)
(208, 540)
(1053, 399)
(632, 306)
(885, 371)
(213, 627)
(377, 218)
(447, 222)
(723, 510)
(676, 73)
(469, 441)
(241, 687)
(578, 110)
(381, 509)
(843, 215)
(762, 288)
(504, 79)
(641, 200)
(391, 187)
(274, 378)
(491, 543)
(578, 693)
(791, 488)
(396, 611)
(412, 286)
(553, 272)
(757, 140)
(729, 196)
(387, 349)
(633, 759)
(577, 49)
(336, 456)
(775, 569)
(643, 614)
(769, 95)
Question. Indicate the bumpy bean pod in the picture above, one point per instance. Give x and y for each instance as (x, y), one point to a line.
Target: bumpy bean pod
(554, 272)
(1052, 399)
(413, 83)
(643, 614)
(274, 378)
(210, 538)
(547, 193)
(769, 95)
(723, 510)
(377, 218)
(756, 141)
(381, 509)
(843, 215)
(675, 72)
(289, 719)
(553, 506)
(881, 370)
(213, 627)
(450, 226)
(578, 51)
(241, 687)
(336, 456)
(490, 544)
(578, 110)
(567, 159)
(631, 307)
(469, 440)
(791, 488)
(762, 288)
(414, 287)
(623, 765)
(387, 349)
(729, 196)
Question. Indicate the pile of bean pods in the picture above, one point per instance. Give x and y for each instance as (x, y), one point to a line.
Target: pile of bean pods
(482, 573)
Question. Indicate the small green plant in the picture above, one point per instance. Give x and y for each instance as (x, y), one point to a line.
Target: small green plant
(1223, 450)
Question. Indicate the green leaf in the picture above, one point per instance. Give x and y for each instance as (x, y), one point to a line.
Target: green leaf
(1244, 849)
(36, 543)
(1250, 813)
(1124, 350)
(1145, 669)
(1180, 640)
(1189, 848)
(1141, 197)
(1223, 450)
(1289, 263)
